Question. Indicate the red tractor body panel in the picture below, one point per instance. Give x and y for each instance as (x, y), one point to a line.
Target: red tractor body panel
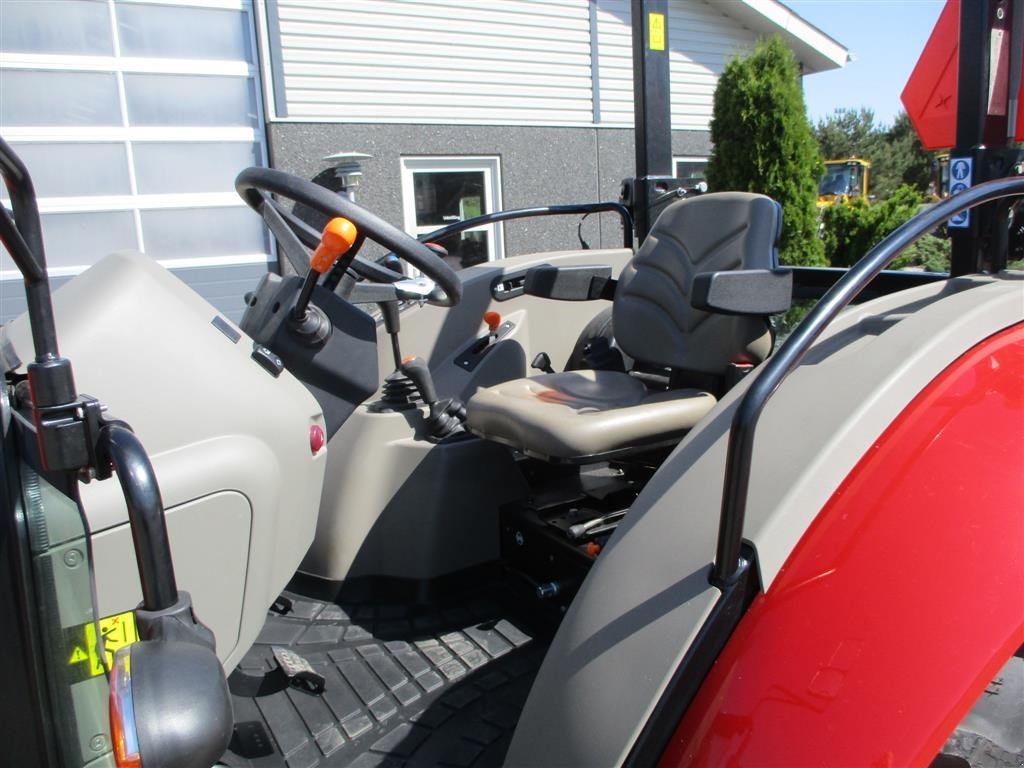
(901, 602)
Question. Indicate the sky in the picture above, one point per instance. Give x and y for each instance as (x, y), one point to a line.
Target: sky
(884, 38)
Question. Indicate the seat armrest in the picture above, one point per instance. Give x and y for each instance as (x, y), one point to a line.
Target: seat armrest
(584, 283)
(743, 291)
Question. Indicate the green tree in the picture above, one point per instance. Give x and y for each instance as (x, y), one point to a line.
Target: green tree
(848, 133)
(900, 160)
(763, 143)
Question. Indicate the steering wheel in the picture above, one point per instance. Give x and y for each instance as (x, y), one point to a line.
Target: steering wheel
(255, 184)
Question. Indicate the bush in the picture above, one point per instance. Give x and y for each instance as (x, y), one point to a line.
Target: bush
(763, 143)
(929, 254)
(852, 228)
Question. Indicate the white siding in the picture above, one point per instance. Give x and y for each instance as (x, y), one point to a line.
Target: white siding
(447, 61)
(701, 42)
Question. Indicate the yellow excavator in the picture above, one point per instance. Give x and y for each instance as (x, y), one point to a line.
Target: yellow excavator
(939, 187)
(844, 180)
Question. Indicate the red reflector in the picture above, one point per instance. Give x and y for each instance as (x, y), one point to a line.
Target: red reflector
(122, 712)
(316, 439)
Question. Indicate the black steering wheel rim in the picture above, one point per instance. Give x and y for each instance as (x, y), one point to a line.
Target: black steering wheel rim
(253, 183)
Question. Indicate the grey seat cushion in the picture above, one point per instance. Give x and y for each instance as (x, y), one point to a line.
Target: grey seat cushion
(580, 414)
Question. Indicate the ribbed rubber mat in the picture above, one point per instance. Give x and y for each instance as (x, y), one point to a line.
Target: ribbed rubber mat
(405, 686)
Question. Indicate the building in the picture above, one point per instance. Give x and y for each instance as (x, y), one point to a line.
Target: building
(135, 115)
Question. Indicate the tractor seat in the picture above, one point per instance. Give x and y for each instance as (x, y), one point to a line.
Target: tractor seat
(586, 415)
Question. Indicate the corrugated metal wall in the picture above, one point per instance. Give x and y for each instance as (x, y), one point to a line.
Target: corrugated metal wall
(701, 39)
(448, 61)
(134, 117)
(516, 62)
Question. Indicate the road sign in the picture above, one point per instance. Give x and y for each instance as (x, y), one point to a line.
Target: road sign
(930, 95)
(960, 176)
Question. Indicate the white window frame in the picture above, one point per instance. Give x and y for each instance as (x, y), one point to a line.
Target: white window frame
(688, 159)
(129, 136)
(489, 165)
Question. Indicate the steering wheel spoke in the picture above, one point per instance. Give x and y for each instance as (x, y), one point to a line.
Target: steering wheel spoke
(284, 232)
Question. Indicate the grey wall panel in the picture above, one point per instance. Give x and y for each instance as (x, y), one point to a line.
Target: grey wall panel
(223, 287)
(539, 166)
(692, 143)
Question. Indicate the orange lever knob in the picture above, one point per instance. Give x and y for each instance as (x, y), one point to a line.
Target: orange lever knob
(493, 320)
(337, 238)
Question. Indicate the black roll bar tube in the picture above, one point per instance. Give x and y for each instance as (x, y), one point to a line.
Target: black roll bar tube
(120, 446)
(780, 365)
(547, 210)
(23, 237)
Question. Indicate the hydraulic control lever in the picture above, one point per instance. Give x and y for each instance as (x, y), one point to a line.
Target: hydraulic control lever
(336, 240)
(446, 416)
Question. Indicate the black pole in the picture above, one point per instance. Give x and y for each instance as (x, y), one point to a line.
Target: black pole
(547, 210)
(972, 103)
(652, 109)
(122, 449)
(981, 246)
(25, 244)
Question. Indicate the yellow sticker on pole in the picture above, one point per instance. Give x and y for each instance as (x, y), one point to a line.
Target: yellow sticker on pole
(656, 31)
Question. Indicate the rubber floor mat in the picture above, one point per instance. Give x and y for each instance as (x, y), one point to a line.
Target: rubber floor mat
(404, 686)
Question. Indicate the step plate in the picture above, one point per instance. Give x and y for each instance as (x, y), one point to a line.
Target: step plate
(405, 686)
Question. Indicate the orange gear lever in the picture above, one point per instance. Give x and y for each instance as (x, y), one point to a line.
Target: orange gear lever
(493, 320)
(335, 241)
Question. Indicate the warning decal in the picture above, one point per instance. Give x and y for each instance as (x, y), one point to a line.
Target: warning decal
(656, 31)
(83, 654)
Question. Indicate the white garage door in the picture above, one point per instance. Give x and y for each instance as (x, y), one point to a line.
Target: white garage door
(134, 117)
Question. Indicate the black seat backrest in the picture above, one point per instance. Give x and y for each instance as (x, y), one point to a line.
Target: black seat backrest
(654, 320)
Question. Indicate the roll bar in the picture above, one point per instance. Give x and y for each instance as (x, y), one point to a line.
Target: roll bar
(744, 422)
(547, 210)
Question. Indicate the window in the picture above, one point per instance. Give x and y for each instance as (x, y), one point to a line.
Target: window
(438, 191)
(690, 170)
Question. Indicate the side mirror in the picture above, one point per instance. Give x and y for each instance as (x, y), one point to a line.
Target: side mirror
(169, 706)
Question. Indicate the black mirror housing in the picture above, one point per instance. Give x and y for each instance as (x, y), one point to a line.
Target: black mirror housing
(179, 708)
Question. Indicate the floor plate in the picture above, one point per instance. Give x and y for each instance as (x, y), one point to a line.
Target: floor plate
(405, 685)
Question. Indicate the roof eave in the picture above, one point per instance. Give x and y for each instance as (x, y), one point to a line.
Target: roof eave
(815, 50)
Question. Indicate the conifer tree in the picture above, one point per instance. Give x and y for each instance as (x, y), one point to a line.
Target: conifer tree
(764, 143)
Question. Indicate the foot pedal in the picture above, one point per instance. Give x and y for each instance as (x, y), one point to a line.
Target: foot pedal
(282, 606)
(298, 671)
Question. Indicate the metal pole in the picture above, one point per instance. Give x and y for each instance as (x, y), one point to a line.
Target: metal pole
(652, 108)
(972, 102)
(138, 482)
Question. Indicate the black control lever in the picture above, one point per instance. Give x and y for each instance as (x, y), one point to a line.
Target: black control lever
(337, 239)
(542, 363)
(416, 369)
(445, 417)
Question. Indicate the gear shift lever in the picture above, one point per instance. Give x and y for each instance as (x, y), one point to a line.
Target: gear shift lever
(445, 418)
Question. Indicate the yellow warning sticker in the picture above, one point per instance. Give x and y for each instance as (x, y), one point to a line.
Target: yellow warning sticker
(656, 31)
(83, 649)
